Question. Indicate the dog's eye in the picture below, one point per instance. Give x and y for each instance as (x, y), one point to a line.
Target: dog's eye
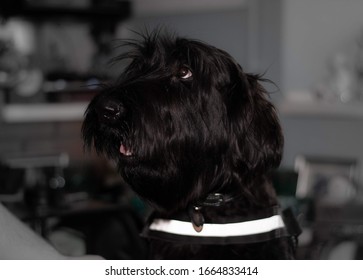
(185, 73)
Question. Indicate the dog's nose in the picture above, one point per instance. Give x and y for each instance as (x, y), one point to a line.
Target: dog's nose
(110, 111)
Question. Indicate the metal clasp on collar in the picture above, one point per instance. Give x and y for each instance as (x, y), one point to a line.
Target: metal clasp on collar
(214, 199)
(195, 213)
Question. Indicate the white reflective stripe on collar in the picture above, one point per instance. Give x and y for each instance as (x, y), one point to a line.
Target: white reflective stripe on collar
(219, 230)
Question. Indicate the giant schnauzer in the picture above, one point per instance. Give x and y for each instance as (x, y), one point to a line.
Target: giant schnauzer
(197, 138)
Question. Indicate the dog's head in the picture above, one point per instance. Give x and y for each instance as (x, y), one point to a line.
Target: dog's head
(184, 120)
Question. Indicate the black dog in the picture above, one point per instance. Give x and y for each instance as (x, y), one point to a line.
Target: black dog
(196, 137)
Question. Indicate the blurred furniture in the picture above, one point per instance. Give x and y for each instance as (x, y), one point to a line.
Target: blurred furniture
(330, 216)
(91, 226)
(337, 232)
(33, 79)
(74, 206)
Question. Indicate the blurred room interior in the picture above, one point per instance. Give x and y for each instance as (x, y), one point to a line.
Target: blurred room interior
(54, 53)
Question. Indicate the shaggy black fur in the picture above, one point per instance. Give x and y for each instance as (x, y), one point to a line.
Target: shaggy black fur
(183, 121)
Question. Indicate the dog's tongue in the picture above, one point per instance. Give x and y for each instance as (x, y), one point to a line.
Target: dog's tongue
(125, 151)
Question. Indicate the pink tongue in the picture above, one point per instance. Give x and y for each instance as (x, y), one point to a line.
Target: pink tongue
(124, 151)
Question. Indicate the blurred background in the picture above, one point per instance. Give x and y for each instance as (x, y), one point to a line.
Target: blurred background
(53, 53)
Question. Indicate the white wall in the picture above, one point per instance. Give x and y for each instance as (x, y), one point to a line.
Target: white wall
(313, 31)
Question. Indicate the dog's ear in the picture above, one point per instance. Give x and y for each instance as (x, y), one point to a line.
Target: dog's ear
(256, 135)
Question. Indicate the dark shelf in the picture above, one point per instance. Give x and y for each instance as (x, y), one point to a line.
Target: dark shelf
(119, 12)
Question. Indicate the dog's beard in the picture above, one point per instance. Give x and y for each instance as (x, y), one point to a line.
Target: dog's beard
(168, 155)
(164, 171)
(167, 181)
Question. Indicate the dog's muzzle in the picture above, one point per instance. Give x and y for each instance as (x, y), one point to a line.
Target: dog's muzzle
(111, 112)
